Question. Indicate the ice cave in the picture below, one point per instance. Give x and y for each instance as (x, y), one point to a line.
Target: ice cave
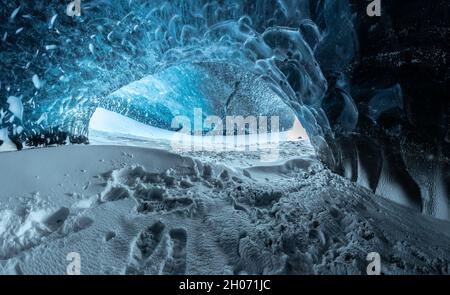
(354, 112)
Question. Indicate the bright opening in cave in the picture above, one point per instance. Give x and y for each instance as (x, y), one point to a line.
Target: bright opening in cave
(215, 103)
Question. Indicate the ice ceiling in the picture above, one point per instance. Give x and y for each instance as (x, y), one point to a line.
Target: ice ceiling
(152, 60)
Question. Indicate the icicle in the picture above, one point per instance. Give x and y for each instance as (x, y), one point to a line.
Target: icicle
(52, 21)
(50, 47)
(14, 14)
(91, 48)
(36, 81)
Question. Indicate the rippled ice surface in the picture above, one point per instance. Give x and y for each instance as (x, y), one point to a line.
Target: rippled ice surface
(63, 68)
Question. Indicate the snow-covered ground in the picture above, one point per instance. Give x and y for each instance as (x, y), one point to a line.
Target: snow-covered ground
(135, 210)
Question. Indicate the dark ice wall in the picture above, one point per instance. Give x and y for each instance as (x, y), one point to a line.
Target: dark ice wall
(400, 83)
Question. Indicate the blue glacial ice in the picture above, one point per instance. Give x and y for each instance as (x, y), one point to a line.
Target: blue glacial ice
(154, 60)
(217, 89)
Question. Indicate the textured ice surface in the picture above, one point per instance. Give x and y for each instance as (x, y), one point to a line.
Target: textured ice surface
(385, 100)
(217, 89)
(64, 67)
(15, 106)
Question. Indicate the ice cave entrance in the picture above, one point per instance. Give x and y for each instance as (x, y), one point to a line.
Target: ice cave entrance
(207, 105)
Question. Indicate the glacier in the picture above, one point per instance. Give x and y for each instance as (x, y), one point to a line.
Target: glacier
(92, 60)
(360, 160)
(153, 61)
